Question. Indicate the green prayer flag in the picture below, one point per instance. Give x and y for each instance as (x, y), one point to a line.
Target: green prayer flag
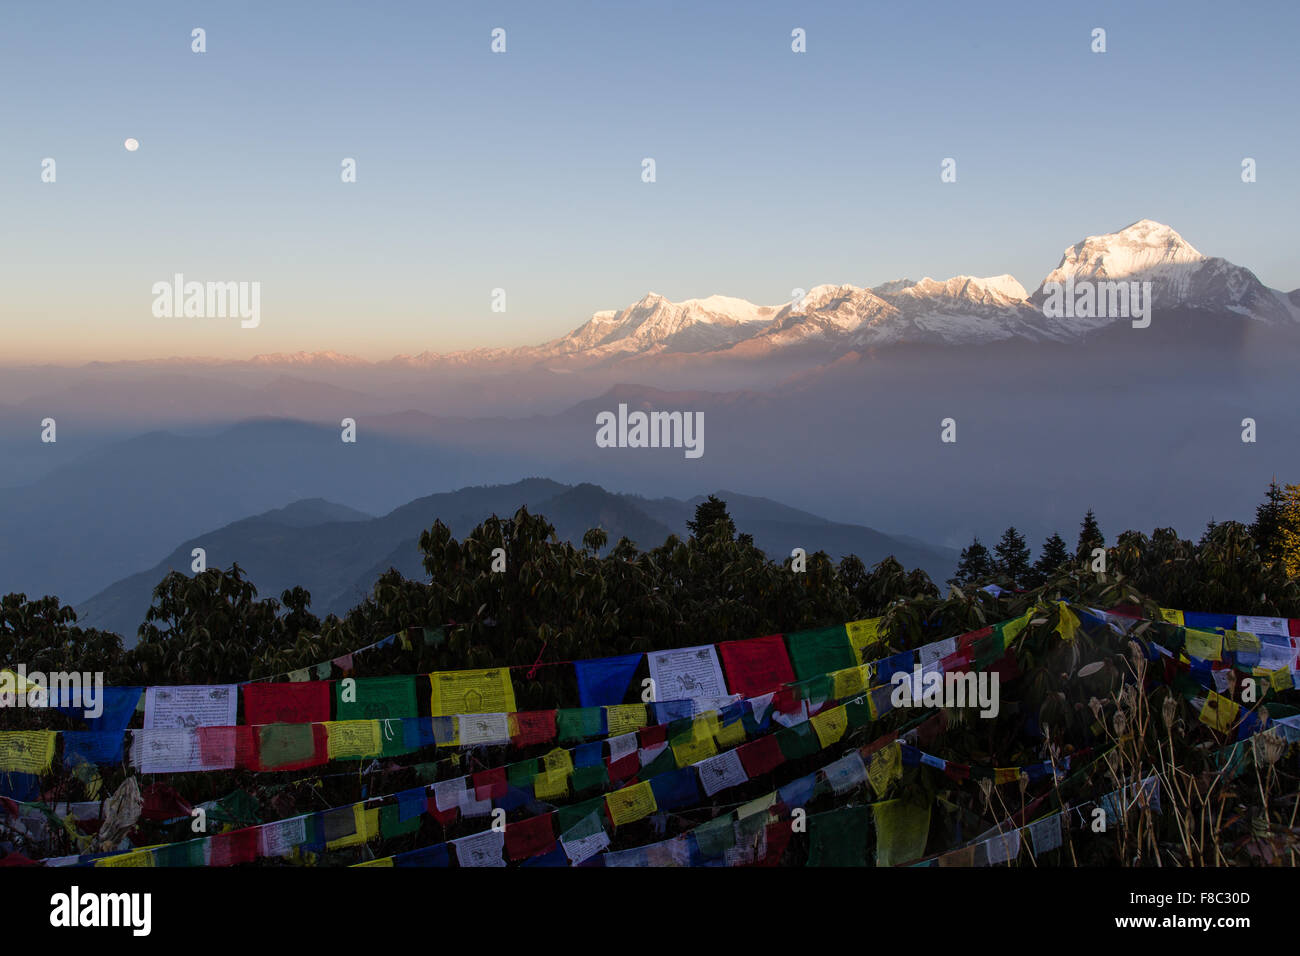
(798, 741)
(839, 837)
(579, 723)
(717, 836)
(814, 653)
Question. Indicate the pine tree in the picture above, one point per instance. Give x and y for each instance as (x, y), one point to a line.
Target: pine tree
(1267, 526)
(1090, 537)
(1012, 557)
(975, 566)
(707, 514)
(1055, 553)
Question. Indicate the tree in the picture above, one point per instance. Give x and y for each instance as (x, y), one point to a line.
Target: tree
(1267, 526)
(1090, 537)
(975, 566)
(1289, 539)
(1012, 557)
(708, 514)
(1055, 553)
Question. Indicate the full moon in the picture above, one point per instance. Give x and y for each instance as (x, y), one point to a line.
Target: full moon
(131, 145)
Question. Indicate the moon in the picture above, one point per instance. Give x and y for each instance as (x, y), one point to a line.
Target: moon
(131, 145)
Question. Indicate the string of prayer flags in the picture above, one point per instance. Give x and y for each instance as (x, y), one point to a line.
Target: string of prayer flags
(605, 681)
(471, 692)
(756, 666)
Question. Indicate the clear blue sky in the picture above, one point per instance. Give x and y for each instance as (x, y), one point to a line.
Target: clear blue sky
(522, 170)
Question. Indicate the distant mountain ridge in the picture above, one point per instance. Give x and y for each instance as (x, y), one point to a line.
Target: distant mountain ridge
(833, 320)
(337, 553)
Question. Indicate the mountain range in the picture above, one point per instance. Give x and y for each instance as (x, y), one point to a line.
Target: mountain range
(833, 320)
(337, 553)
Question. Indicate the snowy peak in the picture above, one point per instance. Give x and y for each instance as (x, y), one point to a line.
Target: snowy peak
(655, 324)
(1150, 251)
(994, 290)
(1144, 248)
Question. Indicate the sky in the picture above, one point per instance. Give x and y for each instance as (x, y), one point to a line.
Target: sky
(522, 170)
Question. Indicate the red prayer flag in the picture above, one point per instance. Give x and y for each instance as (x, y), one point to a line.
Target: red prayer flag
(760, 756)
(305, 702)
(620, 770)
(531, 837)
(490, 784)
(238, 846)
(757, 665)
(778, 838)
(534, 727)
(653, 736)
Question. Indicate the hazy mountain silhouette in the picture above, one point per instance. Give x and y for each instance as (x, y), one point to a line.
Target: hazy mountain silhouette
(338, 554)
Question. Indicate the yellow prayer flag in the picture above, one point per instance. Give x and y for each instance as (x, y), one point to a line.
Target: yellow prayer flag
(1206, 645)
(1281, 679)
(135, 858)
(1219, 712)
(472, 692)
(625, 718)
(1012, 628)
(551, 784)
(1241, 641)
(849, 681)
(631, 803)
(886, 766)
(694, 750)
(1172, 616)
(1067, 625)
(730, 735)
(830, 725)
(382, 861)
(1006, 774)
(558, 760)
(862, 635)
(26, 751)
(353, 738)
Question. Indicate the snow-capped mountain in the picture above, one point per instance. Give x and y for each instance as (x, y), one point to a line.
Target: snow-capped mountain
(656, 325)
(832, 320)
(1179, 274)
